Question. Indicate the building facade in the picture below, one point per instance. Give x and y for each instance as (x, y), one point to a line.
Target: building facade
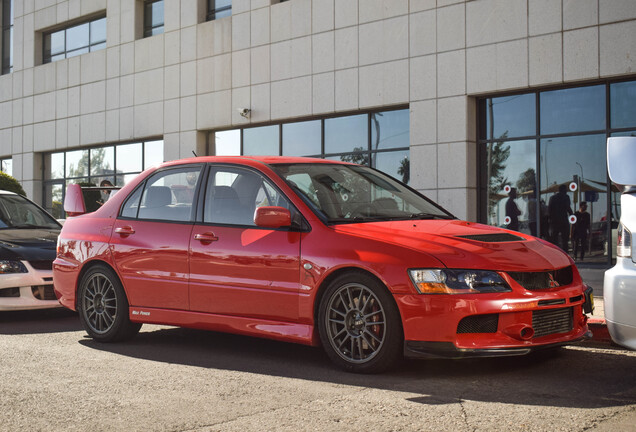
(485, 106)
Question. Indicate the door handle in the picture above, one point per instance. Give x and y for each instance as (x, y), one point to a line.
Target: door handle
(124, 231)
(207, 237)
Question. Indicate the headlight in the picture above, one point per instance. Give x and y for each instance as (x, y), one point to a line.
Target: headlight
(624, 242)
(8, 266)
(455, 281)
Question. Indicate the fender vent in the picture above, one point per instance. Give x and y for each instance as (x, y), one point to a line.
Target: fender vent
(493, 238)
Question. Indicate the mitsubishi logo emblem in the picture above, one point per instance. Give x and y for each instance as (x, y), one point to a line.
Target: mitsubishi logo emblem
(553, 283)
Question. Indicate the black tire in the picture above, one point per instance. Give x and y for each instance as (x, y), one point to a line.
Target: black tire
(103, 306)
(359, 324)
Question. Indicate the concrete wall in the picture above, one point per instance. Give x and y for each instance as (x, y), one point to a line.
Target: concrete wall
(302, 58)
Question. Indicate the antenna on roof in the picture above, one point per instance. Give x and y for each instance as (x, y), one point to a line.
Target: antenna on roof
(195, 155)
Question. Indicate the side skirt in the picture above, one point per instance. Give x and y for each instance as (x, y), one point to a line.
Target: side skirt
(278, 330)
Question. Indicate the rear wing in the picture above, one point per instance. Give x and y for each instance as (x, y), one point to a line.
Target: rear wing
(77, 196)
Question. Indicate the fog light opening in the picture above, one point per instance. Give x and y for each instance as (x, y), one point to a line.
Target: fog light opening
(526, 333)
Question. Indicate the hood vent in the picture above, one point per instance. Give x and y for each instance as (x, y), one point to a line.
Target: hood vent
(533, 281)
(493, 238)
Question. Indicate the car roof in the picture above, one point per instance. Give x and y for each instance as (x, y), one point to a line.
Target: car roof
(251, 160)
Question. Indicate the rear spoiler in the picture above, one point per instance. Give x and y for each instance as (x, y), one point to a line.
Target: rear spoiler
(74, 203)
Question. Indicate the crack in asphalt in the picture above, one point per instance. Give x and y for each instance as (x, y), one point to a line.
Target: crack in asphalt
(460, 400)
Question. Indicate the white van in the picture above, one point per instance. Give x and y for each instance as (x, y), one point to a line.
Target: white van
(620, 281)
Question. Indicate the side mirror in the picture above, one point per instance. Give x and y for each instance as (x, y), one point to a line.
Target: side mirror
(74, 200)
(621, 154)
(272, 217)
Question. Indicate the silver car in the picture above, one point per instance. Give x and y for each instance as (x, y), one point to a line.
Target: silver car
(620, 281)
(28, 239)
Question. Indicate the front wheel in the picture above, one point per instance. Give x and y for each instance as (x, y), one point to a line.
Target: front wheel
(103, 306)
(359, 324)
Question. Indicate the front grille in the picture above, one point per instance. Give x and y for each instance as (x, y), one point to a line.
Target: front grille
(493, 238)
(42, 265)
(10, 292)
(551, 321)
(551, 302)
(43, 292)
(543, 280)
(479, 324)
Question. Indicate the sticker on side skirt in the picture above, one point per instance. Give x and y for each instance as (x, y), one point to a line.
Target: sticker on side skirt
(142, 313)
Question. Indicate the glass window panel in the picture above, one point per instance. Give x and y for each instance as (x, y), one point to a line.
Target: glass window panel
(102, 161)
(131, 205)
(396, 164)
(98, 31)
(390, 129)
(58, 57)
(57, 42)
(128, 158)
(227, 143)
(77, 52)
(514, 116)
(57, 165)
(7, 166)
(512, 164)
(222, 13)
(53, 200)
(230, 197)
(347, 134)
(153, 153)
(77, 163)
(218, 4)
(627, 133)
(77, 37)
(302, 138)
(157, 13)
(261, 141)
(573, 110)
(168, 195)
(623, 104)
(156, 31)
(575, 161)
(98, 47)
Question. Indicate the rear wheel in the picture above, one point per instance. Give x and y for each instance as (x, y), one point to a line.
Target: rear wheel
(359, 324)
(103, 306)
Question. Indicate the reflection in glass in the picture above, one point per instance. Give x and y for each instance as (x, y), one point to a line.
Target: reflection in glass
(77, 37)
(56, 165)
(153, 153)
(7, 166)
(102, 160)
(6, 36)
(227, 143)
(572, 163)
(261, 141)
(219, 9)
(77, 163)
(389, 129)
(98, 31)
(515, 116)
(511, 167)
(302, 138)
(128, 158)
(347, 134)
(153, 18)
(396, 164)
(623, 104)
(573, 110)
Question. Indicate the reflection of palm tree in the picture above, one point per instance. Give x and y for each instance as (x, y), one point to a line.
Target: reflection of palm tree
(405, 169)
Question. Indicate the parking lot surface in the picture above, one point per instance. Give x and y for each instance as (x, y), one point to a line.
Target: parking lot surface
(167, 379)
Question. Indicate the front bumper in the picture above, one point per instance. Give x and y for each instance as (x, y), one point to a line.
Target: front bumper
(619, 300)
(25, 291)
(479, 325)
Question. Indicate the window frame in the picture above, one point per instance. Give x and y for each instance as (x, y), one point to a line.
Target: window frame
(212, 12)
(90, 46)
(6, 28)
(148, 29)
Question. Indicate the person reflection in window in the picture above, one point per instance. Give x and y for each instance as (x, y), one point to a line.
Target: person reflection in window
(105, 193)
(559, 209)
(512, 210)
(581, 230)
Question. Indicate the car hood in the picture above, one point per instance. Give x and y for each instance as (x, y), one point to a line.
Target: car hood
(488, 248)
(28, 244)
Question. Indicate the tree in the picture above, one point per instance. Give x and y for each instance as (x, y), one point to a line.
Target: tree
(527, 181)
(359, 156)
(9, 183)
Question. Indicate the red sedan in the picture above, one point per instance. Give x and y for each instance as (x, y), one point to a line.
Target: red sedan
(315, 252)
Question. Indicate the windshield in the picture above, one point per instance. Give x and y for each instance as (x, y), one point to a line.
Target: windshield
(341, 193)
(20, 213)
